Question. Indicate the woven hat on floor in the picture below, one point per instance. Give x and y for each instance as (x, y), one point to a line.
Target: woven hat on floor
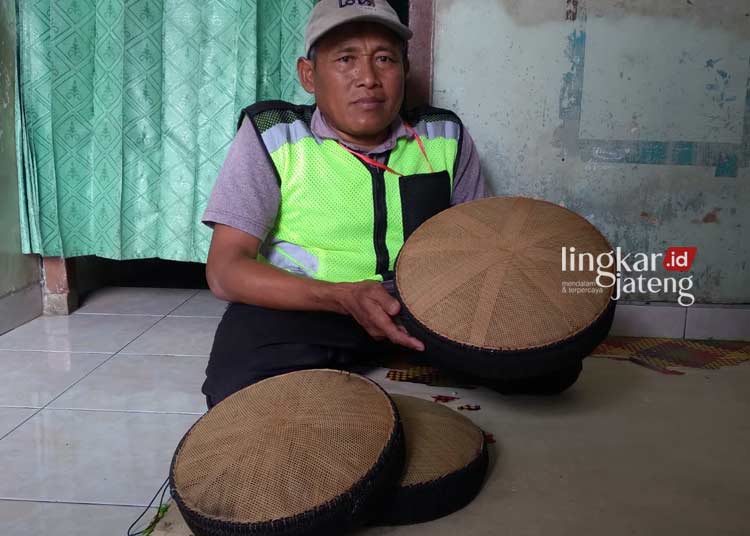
(446, 462)
(304, 453)
(482, 285)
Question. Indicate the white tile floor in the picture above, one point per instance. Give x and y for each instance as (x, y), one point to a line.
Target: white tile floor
(93, 405)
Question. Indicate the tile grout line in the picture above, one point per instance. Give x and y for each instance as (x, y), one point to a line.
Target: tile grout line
(118, 352)
(78, 381)
(121, 349)
(167, 315)
(20, 424)
(115, 314)
(102, 363)
(107, 360)
(193, 295)
(194, 316)
(91, 354)
(160, 316)
(183, 302)
(83, 503)
(137, 411)
(122, 354)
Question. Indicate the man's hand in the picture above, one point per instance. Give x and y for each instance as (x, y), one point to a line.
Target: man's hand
(234, 274)
(371, 305)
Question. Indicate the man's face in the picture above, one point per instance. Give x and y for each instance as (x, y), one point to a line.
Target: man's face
(357, 77)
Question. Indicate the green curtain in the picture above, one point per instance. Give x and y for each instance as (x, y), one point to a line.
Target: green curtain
(126, 109)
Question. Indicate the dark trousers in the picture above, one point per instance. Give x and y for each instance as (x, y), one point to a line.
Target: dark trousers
(253, 343)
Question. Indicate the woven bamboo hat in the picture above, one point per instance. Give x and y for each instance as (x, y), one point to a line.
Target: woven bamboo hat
(303, 453)
(446, 462)
(483, 285)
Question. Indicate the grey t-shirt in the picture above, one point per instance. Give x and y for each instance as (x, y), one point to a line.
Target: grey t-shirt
(246, 193)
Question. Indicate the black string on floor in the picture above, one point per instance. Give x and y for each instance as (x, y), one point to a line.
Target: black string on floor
(163, 490)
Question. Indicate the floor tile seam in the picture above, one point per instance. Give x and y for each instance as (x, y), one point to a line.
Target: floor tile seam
(152, 326)
(193, 316)
(100, 364)
(188, 298)
(193, 295)
(134, 411)
(43, 406)
(24, 421)
(112, 354)
(131, 353)
(83, 503)
(83, 313)
(71, 386)
(55, 351)
(141, 334)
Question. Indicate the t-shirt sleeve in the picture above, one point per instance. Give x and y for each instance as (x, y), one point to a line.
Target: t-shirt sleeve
(468, 184)
(246, 193)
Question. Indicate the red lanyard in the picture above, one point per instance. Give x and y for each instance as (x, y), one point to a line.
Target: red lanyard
(377, 164)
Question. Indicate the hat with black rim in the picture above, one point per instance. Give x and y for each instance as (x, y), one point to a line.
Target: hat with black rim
(484, 286)
(446, 463)
(307, 453)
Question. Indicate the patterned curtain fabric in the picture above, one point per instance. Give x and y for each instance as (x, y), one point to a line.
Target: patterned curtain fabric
(126, 109)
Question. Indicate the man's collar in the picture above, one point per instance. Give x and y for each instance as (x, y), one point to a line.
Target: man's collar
(321, 129)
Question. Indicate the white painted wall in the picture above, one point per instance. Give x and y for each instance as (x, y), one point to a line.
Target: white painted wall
(649, 74)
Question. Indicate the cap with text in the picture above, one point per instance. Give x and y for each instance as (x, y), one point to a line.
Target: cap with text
(328, 14)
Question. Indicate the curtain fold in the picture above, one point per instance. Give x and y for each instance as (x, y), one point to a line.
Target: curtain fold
(126, 109)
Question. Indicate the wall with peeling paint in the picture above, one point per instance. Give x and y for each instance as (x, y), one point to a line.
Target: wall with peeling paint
(17, 271)
(634, 115)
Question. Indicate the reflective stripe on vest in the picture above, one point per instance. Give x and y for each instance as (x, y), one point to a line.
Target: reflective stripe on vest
(326, 219)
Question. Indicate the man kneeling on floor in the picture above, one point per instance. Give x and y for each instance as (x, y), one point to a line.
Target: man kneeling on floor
(307, 211)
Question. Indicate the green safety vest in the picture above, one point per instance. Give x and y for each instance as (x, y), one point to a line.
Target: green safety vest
(339, 219)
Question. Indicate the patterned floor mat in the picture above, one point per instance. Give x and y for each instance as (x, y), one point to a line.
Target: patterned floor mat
(661, 355)
(403, 372)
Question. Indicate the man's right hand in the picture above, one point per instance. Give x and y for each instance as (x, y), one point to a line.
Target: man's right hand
(371, 305)
(234, 275)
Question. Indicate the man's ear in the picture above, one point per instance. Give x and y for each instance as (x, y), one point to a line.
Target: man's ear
(305, 73)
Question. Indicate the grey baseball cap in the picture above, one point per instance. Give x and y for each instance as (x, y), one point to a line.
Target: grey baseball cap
(328, 14)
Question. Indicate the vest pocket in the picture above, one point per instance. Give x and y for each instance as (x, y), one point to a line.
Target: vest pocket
(423, 196)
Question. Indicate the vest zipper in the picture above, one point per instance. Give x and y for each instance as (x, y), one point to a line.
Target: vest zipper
(381, 220)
